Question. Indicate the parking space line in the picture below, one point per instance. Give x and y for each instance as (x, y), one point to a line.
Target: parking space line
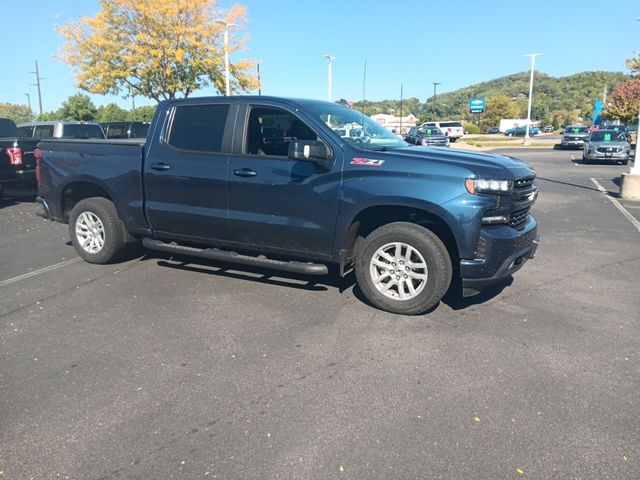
(618, 205)
(39, 271)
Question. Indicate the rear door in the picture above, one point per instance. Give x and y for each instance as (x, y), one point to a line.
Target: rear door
(274, 201)
(185, 173)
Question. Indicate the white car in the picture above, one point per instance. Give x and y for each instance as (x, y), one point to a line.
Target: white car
(451, 128)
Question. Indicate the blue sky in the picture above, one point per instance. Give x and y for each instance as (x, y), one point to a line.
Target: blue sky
(458, 43)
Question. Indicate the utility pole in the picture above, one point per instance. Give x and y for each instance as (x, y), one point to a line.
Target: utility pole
(435, 85)
(259, 81)
(37, 84)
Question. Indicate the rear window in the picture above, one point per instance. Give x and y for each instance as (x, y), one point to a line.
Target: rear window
(198, 127)
(43, 131)
(8, 128)
(450, 124)
(82, 131)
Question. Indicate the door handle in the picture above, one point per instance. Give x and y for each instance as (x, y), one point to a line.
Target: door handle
(245, 172)
(161, 166)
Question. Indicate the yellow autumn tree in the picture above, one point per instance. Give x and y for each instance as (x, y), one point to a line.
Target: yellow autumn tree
(156, 48)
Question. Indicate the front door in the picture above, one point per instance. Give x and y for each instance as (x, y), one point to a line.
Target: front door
(276, 202)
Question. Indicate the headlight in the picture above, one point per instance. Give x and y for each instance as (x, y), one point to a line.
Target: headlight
(483, 185)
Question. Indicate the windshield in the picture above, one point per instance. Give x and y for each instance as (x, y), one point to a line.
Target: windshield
(355, 128)
(576, 130)
(606, 136)
(429, 131)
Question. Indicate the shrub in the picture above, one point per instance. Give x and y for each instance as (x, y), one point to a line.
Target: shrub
(472, 129)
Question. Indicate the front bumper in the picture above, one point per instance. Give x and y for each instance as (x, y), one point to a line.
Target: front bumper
(506, 251)
(607, 157)
(573, 143)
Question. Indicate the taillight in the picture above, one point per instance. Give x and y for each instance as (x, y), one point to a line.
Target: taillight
(15, 155)
(37, 154)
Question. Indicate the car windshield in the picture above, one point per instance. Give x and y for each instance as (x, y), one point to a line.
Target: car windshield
(606, 136)
(362, 131)
(429, 131)
(576, 130)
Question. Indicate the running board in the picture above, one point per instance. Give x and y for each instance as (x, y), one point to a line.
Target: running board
(233, 257)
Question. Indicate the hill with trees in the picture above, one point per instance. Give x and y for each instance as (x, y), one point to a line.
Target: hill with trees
(556, 100)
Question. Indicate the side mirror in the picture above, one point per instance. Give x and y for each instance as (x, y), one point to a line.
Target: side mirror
(311, 151)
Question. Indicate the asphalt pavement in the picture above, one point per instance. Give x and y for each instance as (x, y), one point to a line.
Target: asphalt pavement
(163, 368)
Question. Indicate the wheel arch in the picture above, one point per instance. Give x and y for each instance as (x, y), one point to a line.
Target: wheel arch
(368, 218)
(77, 190)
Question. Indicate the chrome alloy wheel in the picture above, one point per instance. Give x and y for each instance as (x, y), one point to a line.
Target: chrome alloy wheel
(398, 271)
(90, 232)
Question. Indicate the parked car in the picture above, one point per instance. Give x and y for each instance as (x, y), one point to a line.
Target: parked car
(17, 162)
(125, 129)
(607, 146)
(61, 129)
(451, 128)
(406, 219)
(427, 136)
(492, 130)
(547, 129)
(521, 131)
(574, 136)
(622, 129)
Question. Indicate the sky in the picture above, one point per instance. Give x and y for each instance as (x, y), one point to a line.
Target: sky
(406, 45)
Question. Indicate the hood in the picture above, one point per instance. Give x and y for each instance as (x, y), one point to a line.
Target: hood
(487, 165)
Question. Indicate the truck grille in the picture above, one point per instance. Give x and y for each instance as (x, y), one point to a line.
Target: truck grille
(525, 192)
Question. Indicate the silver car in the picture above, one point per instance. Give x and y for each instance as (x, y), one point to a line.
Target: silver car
(574, 136)
(606, 146)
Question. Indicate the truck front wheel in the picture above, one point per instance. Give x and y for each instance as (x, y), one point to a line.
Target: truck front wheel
(95, 230)
(403, 268)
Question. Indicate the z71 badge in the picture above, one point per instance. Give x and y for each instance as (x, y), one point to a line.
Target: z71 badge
(370, 162)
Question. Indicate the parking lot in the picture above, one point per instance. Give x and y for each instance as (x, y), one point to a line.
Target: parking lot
(157, 367)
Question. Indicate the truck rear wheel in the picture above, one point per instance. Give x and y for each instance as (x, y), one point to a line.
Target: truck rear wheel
(403, 268)
(95, 230)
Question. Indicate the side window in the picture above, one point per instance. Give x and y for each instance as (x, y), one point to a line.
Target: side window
(198, 128)
(25, 131)
(43, 131)
(270, 130)
(116, 130)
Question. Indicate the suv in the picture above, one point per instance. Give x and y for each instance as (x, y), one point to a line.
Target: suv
(126, 129)
(61, 129)
(451, 128)
(574, 136)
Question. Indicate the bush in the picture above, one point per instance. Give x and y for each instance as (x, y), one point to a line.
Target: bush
(472, 129)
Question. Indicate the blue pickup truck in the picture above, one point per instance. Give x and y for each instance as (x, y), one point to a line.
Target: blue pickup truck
(270, 182)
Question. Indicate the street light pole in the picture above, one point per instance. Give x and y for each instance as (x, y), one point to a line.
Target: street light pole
(533, 63)
(330, 59)
(435, 85)
(227, 25)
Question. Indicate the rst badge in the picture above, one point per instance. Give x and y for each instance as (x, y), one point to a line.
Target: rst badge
(369, 162)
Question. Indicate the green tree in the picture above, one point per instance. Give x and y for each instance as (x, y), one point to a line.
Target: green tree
(560, 118)
(111, 113)
(50, 116)
(17, 113)
(142, 114)
(496, 108)
(78, 107)
(156, 48)
(624, 102)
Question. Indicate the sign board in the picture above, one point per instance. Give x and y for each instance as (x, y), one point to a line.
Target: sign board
(476, 105)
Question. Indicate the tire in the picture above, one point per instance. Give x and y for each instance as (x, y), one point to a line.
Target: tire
(429, 277)
(95, 230)
(625, 162)
(453, 140)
